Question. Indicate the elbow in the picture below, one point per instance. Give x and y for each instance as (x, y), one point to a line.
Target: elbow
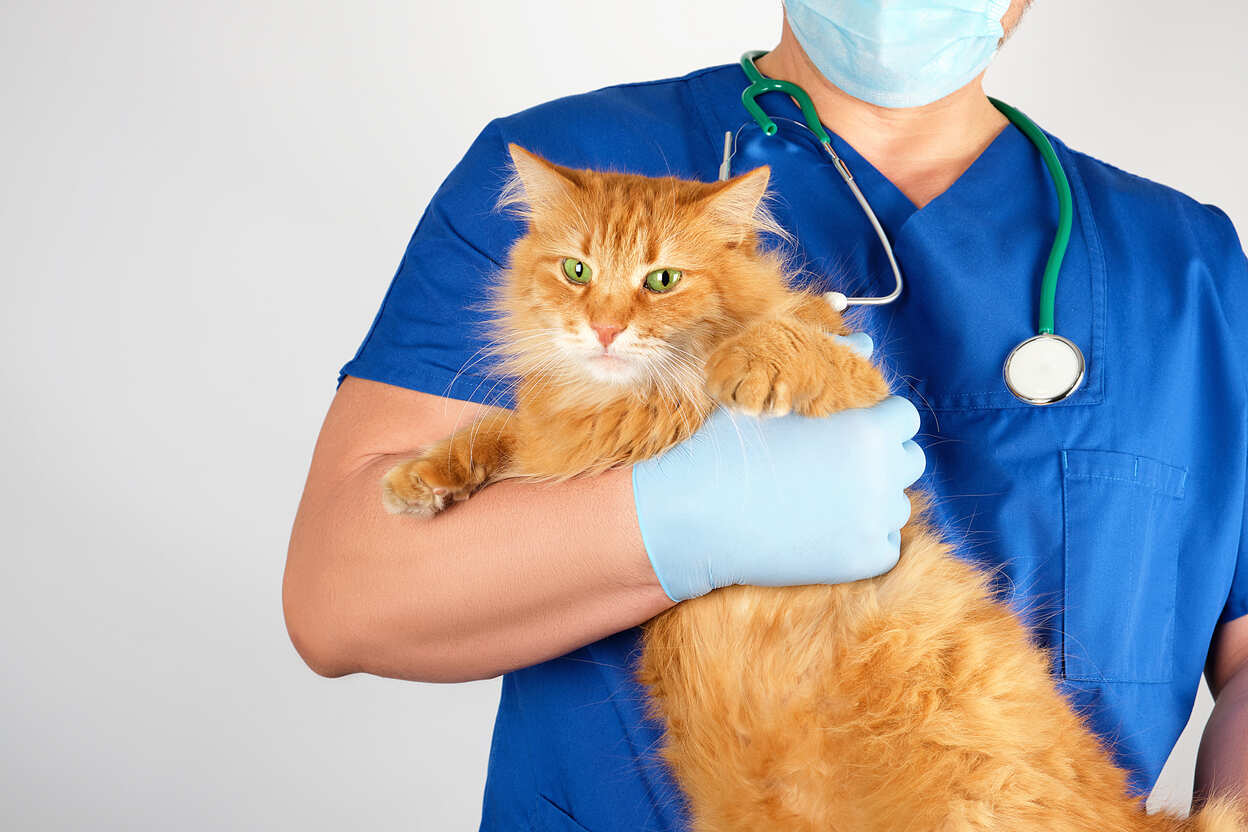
(316, 631)
(339, 629)
(337, 639)
(320, 651)
(334, 645)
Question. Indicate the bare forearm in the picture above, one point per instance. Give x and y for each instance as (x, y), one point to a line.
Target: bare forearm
(518, 574)
(1222, 764)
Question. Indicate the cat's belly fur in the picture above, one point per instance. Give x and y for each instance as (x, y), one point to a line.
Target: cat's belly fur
(909, 701)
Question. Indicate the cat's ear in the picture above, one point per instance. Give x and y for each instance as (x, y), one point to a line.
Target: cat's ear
(535, 183)
(737, 204)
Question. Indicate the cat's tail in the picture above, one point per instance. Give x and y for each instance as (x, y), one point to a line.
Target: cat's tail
(1221, 814)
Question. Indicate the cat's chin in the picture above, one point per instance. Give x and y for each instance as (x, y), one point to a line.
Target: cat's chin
(611, 369)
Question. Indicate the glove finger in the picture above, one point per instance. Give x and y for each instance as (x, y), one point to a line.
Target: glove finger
(914, 464)
(899, 513)
(859, 342)
(893, 550)
(898, 416)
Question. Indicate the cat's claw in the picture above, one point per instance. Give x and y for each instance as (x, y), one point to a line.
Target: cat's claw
(737, 378)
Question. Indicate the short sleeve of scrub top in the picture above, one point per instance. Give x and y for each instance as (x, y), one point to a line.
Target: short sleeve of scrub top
(1225, 245)
(430, 330)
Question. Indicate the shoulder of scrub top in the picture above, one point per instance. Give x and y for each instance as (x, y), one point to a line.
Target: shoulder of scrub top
(655, 128)
(1165, 213)
(1161, 224)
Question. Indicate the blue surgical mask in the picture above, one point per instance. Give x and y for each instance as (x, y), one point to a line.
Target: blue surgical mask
(898, 53)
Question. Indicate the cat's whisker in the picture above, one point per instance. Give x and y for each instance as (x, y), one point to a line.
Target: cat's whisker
(538, 375)
(677, 381)
(501, 345)
(504, 374)
(489, 349)
(509, 385)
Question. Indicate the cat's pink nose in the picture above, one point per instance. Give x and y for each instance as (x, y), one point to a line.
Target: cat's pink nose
(606, 333)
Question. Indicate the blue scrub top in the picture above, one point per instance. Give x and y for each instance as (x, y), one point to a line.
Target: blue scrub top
(1116, 516)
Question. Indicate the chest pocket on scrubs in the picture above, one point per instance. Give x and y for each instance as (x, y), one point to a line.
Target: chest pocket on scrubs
(1121, 557)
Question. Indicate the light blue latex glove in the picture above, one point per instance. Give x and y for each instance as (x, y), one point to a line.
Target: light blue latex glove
(782, 501)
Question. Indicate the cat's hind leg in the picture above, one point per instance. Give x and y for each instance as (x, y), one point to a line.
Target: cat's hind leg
(452, 469)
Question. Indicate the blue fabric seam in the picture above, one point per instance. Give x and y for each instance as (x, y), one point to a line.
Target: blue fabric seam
(1062, 558)
(501, 176)
(1161, 490)
(420, 377)
(459, 235)
(1101, 680)
(1096, 260)
(674, 79)
(1172, 479)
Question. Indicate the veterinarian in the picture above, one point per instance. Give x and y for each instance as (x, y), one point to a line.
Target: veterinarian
(1116, 515)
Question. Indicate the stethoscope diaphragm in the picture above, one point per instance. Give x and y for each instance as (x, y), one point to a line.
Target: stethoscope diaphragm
(1044, 369)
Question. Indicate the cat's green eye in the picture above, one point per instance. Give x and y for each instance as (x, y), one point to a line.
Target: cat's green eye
(577, 271)
(662, 280)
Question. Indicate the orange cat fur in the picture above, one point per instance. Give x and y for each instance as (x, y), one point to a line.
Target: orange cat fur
(911, 701)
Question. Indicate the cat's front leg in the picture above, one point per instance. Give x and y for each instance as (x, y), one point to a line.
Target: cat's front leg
(450, 470)
(784, 365)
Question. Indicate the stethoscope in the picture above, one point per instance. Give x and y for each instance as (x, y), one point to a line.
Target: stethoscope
(1044, 368)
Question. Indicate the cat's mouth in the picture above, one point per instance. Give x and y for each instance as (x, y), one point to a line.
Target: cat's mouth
(611, 367)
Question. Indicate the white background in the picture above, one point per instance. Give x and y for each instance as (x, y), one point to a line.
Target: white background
(202, 206)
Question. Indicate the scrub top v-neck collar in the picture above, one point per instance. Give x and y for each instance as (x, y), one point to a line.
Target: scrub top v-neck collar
(950, 333)
(893, 208)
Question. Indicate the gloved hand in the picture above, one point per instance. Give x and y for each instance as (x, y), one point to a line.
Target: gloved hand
(781, 501)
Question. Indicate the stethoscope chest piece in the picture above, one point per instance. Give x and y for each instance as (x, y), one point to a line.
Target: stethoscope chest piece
(1044, 369)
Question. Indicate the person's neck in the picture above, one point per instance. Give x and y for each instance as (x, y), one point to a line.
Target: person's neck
(921, 150)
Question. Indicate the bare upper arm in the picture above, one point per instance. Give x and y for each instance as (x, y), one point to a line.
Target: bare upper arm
(1228, 653)
(369, 419)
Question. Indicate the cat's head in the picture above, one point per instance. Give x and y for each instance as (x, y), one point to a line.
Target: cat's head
(628, 281)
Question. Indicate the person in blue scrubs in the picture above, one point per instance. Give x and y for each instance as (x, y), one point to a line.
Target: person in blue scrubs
(1115, 518)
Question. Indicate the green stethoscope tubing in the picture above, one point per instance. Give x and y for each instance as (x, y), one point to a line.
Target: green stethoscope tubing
(761, 84)
(1065, 210)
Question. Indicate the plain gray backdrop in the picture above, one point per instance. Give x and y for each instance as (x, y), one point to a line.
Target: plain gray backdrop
(203, 204)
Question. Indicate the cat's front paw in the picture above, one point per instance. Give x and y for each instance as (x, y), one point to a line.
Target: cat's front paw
(741, 373)
(778, 367)
(421, 487)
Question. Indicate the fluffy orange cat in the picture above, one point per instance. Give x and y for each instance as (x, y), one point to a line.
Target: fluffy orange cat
(911, 701)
